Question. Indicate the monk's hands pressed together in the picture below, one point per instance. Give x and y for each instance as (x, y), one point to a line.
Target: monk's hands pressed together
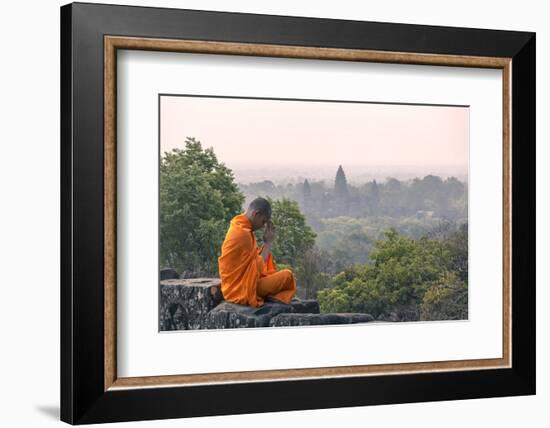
(270, 232)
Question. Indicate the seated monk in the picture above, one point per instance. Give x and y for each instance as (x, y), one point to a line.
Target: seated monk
(248, 273)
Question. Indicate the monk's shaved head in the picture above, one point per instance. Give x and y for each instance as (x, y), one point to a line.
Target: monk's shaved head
(261, 205)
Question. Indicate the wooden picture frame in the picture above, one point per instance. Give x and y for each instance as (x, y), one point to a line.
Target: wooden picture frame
(91, 391)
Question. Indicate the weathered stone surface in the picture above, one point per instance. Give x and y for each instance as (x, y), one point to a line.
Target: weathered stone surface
(185, 303)
(309, 306)
(168, 273)
(232, 315)
(197, 303)
(295, 319)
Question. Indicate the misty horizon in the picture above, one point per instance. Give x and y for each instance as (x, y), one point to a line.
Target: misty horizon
(355, 174)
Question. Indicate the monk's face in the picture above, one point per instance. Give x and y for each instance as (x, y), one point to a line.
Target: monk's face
(258, 220)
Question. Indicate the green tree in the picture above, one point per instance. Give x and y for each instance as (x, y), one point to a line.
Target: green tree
(403, 266)
(457, 245)
(198, 198)
(396, 280)
(311, 272)
(355, 290)
(446, 299)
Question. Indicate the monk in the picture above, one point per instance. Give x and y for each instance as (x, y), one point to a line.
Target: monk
(248, 273)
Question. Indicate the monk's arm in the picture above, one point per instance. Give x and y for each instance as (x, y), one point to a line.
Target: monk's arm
(266, 248)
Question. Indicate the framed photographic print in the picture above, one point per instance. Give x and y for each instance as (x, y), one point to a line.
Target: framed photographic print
(266, 213)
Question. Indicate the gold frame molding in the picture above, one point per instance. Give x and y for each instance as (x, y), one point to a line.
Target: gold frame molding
(112, 43)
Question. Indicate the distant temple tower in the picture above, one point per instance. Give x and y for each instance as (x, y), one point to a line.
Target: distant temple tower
(307, 189)
(341, 193)
(340, 184)
(307, 202)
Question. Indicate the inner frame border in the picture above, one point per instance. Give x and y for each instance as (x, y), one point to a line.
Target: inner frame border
(112, 43)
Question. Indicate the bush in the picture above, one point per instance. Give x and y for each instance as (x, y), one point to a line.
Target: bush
(447, 299)
(198, 199)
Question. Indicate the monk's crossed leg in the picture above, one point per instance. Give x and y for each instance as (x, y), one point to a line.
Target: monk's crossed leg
(280, 285)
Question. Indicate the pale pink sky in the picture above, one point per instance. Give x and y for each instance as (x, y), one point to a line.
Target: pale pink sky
(276, 132)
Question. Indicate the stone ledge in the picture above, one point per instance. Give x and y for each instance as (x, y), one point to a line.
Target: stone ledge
(197, 303)
(294, 319)
(185, 303)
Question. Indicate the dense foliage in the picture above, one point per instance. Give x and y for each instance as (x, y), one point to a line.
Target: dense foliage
(412, 279)
(446, 299)
(198, 198)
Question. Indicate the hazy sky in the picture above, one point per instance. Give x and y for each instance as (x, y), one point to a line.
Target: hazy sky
(286, 133)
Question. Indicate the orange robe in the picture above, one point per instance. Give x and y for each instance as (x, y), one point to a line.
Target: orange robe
(245, 278)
